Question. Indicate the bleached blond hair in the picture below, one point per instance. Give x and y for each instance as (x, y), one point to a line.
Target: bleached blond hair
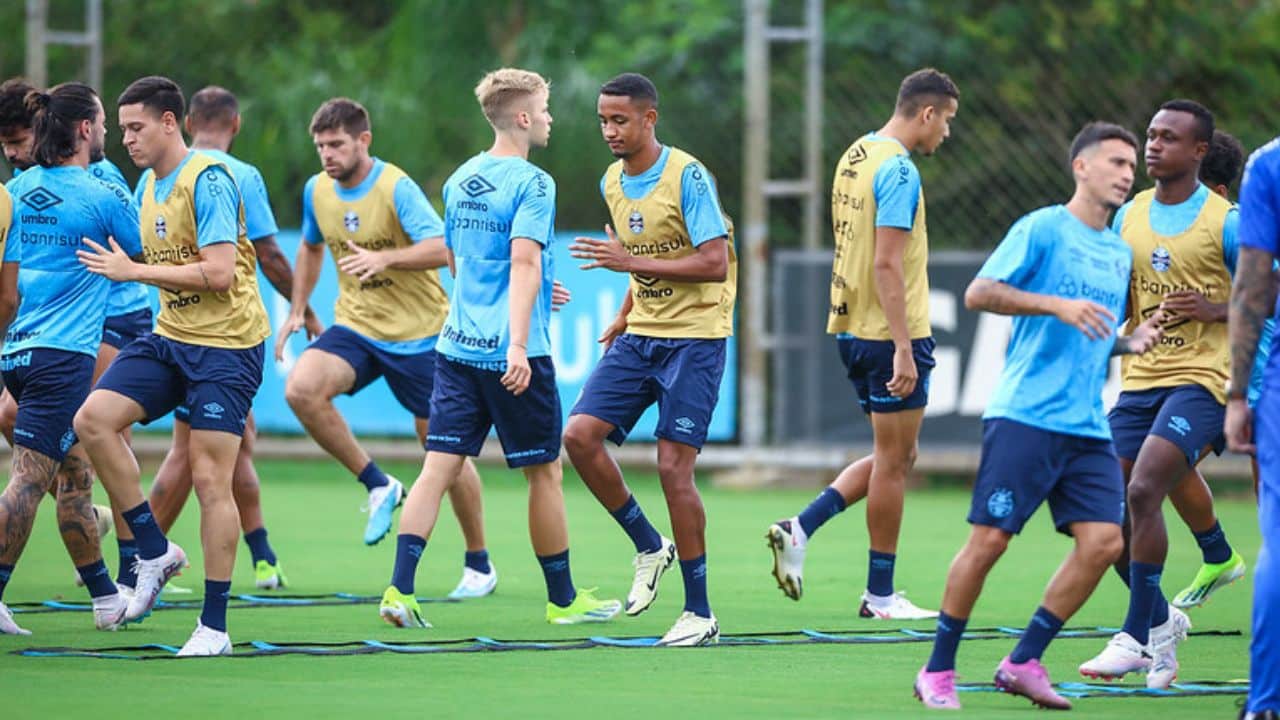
(501, 89)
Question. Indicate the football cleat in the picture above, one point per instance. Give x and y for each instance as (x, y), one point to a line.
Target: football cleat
(401, 610)
(585, 608)
(267, 576)
(382, 504)
(1121, 656)
(152, 576)
(1031, 681)
(788, 541)
(691, 630)
(649, 569)
(206, 642)
(937, 690)
(475, 584)
(893, 607)
(1163, 649)
(1210, 578)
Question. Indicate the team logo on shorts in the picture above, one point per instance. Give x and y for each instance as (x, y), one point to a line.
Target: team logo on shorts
(213, 410)
(1180, 425)
(161, 228)
(635, 222)
(1000, 503)
(685, 425)
(1160, 259)
(68, 439)
(351, 221)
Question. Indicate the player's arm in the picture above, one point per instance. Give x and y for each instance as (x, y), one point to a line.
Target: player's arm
(619, 324)
(275, 266)
(420, 222)
(993, 296)
(526, 279)
(8, 295)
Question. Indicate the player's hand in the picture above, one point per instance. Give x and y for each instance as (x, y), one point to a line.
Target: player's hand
(292, 323)
(1147, 335)
(111, 262)
(610, 254)
(516, 378)
(611, 333)
(905, 375)
(312, 325)
(362, 263)
(1090, 318)
(560, 295)
(1238, 427)
(1189, 304)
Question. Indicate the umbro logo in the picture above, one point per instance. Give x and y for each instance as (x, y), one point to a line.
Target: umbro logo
(40, 199)
(684, 424)
(476, 185)
(213, 410)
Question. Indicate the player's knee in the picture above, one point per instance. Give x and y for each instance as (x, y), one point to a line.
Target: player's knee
(1144, 495)
(988, 543)
(675, 472)
(1105, 548)
(578, 438)
(90, 421)
(299, 393)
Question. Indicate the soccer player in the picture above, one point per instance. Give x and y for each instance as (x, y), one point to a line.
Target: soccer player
(1170, 410)
(387, 241)
(206, 351)
(667, 344)
(494, 367)
(1252, 302)
(51, 345)
(880, 317)
(1063, 275)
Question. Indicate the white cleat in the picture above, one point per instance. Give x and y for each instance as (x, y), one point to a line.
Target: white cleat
(788, 542)
(152, 575)
(475, 584)
(7, 625)
(109, 611)
(383, 501)
(206, 642)
(649, 569)
(691, 630)
(1163, 649)
(893, 607)
(1121, 656)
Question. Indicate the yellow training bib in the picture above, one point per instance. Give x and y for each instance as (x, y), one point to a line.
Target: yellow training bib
(6, 217)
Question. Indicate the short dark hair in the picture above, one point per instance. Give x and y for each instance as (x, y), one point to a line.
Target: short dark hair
(213, 106)
(632, 85)
(157, 93)
(1095, 133)
(54, 116)
(1204, 118)
(342, 114)
(923, 88)
(1222, 164)
(13, 104)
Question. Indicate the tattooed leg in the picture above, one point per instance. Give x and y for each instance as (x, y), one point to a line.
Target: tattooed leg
(29, 480)
(76, 520)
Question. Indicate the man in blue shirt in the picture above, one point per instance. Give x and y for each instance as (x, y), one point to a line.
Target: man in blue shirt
(494, 368)
(51, 345)
(1064, 277)
(1252, 302)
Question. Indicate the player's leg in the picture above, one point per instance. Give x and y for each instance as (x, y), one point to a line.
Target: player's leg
(172, 484)
(213, 457)
(126, 546)
(30, 478)
(268, 573)
(8, 415)
(1220, 564)
(78, 525)
(1264, 647)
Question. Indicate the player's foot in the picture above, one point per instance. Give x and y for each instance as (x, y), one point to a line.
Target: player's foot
(383, 501)
(267, 576)
(1031, 681)
(585, 608)
(692, 630)
(1211, 577)
(1121, 656)
(401, 610)
(7, 625)
(206, 642)
(1164, 649)
(788, 541)
(937, 690)
(109, 610)
(649, 569)
(475, 584)
(152, 575)
(893, 607)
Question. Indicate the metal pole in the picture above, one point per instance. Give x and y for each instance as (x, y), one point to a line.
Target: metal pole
(93, 28)
(755, 218)
(37, 58)
(813, 125)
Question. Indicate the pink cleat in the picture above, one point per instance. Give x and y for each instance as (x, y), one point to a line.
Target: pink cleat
(937, 690)
(1031, 681)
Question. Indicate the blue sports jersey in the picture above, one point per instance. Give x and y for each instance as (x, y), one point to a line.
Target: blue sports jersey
(1053, 373)
(62, 305)
(1260, 229)
(217, 213)
(419, 220)
(897, 190)
(259, 220)
(1175, 219)
(699, 198)
(125, 297)
(488, 202)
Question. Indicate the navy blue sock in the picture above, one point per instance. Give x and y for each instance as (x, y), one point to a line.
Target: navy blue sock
(1144, 595)
(216, 594)
(642, 533)
(1160, 612)
(1123, 572)
(97, 579)
(555, 570)
(478, 561)
(146, 533)
(259, 548)
(1213, 544)
(946, 641)
(827, 505)
(372, 476)
(408, 552)
(1041, 631)
(6, 571)
(125, 574)
(880, 573)
(695, 586)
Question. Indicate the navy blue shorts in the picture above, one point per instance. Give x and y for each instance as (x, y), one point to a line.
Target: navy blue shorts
(1188, 416)
(870, 367)
(1022, 466)
(681, 375)
(49, 386)
(161, 374)
(410, 377)
(120, 330)
(468, 400)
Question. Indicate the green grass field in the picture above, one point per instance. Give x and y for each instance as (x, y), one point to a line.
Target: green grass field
(315, 524)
